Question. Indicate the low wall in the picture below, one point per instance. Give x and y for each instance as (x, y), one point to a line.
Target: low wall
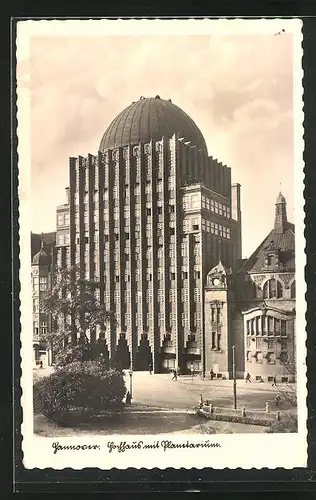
(240, 414)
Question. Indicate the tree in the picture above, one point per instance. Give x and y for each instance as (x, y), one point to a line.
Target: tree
(76, 312)
(288, 392)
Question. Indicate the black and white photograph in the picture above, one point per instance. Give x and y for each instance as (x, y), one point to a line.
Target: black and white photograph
(162, 243)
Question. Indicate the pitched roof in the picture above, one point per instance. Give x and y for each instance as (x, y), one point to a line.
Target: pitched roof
(285, 242)
(49, 241)
(218, 269)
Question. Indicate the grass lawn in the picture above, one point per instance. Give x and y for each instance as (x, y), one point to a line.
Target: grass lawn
(141, 422)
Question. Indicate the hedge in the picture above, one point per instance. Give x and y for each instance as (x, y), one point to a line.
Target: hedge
(287, 424)
(88, 386)
(236, 419)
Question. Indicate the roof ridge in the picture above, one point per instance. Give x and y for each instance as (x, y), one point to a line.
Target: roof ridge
(256, 250)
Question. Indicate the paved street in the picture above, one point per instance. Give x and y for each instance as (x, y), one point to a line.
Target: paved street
(161, 390)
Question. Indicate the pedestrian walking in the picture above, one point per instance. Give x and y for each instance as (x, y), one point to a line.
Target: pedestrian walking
(150, 368)
(274, 381)
(277, 400)
(175, 376)
(248, 378)
(41, 364)
(212, 374)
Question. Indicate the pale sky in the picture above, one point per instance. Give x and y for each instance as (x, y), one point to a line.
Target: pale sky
(237, 89)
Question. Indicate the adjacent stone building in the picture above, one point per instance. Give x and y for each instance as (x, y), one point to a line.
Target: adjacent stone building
(41, 282)
(254, 309)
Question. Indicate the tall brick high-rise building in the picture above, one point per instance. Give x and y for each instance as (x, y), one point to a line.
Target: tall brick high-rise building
(147, 218)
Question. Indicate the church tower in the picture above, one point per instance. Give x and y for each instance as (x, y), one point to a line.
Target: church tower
(41, 269)
(280, 221)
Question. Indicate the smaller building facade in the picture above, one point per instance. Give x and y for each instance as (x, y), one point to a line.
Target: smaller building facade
(253, 309)
(41, 282)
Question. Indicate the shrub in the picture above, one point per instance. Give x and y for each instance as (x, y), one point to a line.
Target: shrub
(56, 394)
(79, 352)
(238, 419)
(287, 424)
(36, 378)
(87, 386)
(37, 394)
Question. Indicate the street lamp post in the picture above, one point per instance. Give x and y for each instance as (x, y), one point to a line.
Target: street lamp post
(130, 371)
(234, 379)
(192, 371)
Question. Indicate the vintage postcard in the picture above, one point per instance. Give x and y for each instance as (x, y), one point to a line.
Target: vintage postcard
(161, 217)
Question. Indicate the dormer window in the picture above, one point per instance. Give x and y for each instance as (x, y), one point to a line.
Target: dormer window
(268, 260)
(272, 253)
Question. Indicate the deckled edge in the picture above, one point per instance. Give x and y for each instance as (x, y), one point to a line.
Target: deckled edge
(24, 346)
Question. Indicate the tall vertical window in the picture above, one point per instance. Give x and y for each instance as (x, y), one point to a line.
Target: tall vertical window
(213, 340)
(218, 341)
(43, 283)
(213, 315)
(43, 328)
(272, 289)
(35, 305)
(218, 315)
(35, 329)
(293, 291)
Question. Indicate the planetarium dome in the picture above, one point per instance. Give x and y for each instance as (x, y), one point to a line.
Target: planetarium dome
(151, 118)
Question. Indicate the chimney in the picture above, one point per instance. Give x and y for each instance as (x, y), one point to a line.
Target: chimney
(236, 212)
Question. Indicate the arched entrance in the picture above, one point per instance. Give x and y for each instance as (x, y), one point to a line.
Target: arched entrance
(144, 358)
(168, 355)
(122, 354)
(36, 354)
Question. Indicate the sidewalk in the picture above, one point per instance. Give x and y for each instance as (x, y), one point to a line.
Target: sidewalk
(240, 383)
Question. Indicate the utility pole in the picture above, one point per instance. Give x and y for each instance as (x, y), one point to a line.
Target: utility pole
(234, 379)
(131, 382)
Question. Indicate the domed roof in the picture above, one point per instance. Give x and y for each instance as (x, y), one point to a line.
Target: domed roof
(41, 258)
(151, 118)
